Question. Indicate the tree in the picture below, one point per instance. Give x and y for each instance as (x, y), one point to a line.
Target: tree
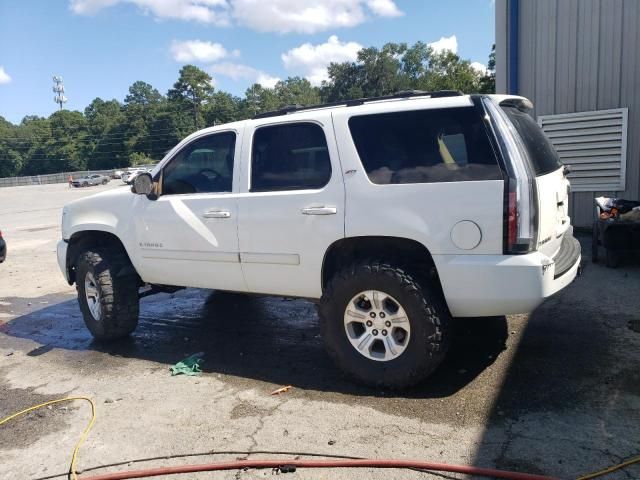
(142, 106)
(141, 93)
(258, 99)
(105, 144)
(223, 108)
(296, 91)
(110, 134)
(488, 81)
(193, 89)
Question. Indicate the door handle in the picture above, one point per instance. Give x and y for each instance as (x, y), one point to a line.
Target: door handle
(319, 211)
(217, 214)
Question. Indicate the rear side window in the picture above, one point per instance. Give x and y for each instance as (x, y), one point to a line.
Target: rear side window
(289, 157)
(542, 155)
(424, 146)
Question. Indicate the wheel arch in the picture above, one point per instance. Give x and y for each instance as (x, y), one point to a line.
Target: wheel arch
(81, 240)
(408, 253)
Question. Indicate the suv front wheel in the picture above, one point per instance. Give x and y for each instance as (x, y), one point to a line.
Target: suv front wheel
(383, 327)
(107, 289)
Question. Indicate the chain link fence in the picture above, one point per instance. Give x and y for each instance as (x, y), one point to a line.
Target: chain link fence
(62, 177)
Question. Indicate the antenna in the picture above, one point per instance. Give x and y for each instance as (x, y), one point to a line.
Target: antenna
(58, 89)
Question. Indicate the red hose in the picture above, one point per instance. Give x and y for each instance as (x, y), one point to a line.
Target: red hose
(240, 464)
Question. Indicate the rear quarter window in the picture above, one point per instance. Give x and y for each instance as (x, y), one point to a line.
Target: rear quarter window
(542, 156)
(424, 146)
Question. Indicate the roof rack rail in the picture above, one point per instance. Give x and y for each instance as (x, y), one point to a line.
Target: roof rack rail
(360, 101)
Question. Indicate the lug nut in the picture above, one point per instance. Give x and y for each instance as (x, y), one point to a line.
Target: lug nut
(382, 315)
(387, 323)
(372, 314)
(369, 323)
(375, 332)
(384, 332)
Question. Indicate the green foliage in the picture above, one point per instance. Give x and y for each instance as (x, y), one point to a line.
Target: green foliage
(137, 158)
(110, 134)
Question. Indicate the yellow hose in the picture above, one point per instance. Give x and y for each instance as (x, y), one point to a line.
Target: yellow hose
(74, 457)
(613, 468)
(85, 433)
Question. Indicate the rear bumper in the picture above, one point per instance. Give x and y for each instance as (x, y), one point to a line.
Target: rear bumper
(62, 259)
(487, 285)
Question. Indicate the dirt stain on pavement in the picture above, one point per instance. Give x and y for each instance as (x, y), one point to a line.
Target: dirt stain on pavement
(30, 427)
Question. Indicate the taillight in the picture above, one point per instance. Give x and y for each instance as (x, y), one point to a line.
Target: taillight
(512, 221)
(521, 222)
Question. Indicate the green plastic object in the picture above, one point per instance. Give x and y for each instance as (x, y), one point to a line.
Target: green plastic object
(188, 366)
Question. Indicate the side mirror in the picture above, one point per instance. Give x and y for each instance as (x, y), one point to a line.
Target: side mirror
(143, 184)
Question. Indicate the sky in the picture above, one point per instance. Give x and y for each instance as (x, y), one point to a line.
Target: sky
(100, 47)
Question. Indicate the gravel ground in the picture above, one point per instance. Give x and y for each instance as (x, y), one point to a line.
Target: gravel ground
(555, 392)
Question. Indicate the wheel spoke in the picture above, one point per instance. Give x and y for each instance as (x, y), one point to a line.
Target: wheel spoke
(397, 320)
(92, 296)
(358, 315)
(92, 292)
(391, 347)
(365, 343)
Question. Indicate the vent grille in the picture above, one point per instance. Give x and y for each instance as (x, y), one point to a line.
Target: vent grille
(594, 144)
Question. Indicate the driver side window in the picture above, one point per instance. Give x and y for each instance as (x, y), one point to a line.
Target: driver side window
(203, 166)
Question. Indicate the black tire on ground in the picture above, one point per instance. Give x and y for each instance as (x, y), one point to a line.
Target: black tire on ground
(594, 243)
(612, 258)
(105, 181)
(118, 285)
(428, 315)
(85, 184)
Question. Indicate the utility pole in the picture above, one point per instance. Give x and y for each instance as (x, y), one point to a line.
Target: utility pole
(58, 89)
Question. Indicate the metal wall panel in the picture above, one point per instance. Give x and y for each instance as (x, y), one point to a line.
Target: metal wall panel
(593, 143)
(580, 56)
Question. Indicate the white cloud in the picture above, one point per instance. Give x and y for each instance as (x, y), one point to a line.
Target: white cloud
(4, 76)
(283, 16)
(312, 61)
(308, 16)
(267, 80)
(384, 8)
(237, 71)
(215, 12)
(481, 68)
(445, 43)
(198, 51)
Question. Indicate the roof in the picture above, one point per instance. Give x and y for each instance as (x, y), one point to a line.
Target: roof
(361, 101)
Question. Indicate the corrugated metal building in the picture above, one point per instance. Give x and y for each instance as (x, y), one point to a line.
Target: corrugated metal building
(579, 62)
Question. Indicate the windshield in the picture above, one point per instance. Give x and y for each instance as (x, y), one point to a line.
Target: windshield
(543, 157)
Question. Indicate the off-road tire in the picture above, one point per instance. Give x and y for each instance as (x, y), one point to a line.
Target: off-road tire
(118, 284)
(428, 315)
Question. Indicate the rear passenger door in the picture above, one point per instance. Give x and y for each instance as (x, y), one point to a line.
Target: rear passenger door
(292, 208)
(422, 170)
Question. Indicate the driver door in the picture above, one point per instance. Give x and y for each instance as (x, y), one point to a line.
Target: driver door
(188, 236)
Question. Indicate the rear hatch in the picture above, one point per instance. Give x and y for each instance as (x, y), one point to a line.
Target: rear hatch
(551, 182)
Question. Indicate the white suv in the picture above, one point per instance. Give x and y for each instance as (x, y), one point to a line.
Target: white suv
(394, 213)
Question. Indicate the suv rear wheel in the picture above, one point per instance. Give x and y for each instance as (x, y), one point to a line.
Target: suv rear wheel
(383, 327)
(107, 293)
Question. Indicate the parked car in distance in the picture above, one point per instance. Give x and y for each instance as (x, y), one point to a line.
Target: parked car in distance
(89, 180)
(394, 214)
(130, 175)
(3, 248)
(117, 174)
